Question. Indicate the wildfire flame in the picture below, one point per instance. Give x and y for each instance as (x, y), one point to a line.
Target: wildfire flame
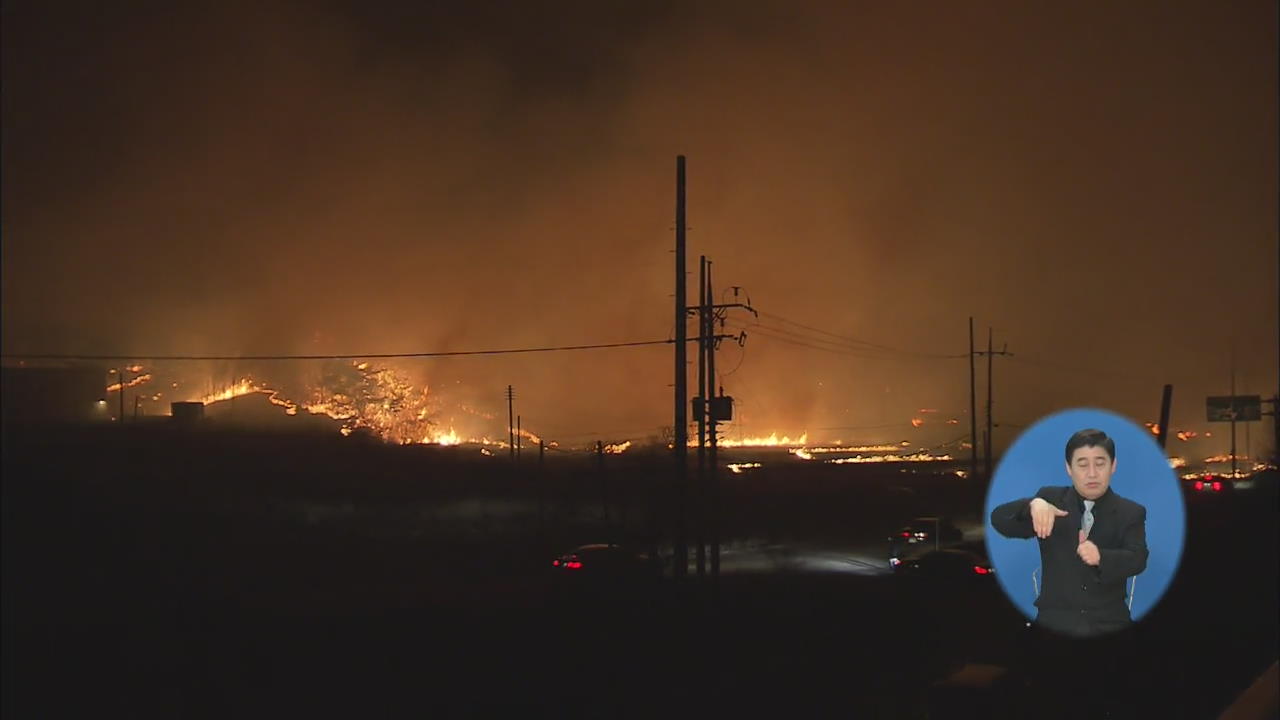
(739, 468)
(852, 449)
(443, 438)
(771, 441)
(617, 449)
(245, 386)
(1225, 458)
(115, 387)
(914, 457)
(363, 395)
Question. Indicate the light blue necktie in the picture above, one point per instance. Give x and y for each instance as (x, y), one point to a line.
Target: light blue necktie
(1086, 521)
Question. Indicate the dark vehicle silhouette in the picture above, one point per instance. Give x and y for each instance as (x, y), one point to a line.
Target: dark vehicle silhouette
(920, 535)
(1208, 484)
(954, 566)
(592, 570)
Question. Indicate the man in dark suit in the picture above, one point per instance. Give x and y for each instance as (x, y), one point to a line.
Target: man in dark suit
(1091, 541)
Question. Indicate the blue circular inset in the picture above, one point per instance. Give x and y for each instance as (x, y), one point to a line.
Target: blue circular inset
(1143, 475)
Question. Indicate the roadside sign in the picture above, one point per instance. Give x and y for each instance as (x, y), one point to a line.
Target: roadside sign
(1241, 408)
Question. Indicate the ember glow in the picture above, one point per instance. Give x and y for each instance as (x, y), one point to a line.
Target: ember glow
(617, 449)
(739, 468)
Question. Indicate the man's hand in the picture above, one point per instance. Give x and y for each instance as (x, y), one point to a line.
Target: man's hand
(1087, 551)
(1043, 515)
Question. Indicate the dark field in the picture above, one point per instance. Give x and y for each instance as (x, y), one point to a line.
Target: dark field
(156, 573)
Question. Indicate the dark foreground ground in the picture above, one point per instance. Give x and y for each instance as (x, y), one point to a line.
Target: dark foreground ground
(163, 576)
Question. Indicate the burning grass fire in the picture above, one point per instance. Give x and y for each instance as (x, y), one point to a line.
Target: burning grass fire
(383, 402)
(771, 440)
(357, 396)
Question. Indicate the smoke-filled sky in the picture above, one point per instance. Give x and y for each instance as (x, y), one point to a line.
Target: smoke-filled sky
(1096, 181)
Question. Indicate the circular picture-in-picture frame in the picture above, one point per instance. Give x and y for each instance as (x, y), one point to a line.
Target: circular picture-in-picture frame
(1076, 567)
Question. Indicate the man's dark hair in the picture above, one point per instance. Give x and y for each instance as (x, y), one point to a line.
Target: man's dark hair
(1091, 438)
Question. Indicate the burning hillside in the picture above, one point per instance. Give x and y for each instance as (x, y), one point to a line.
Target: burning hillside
(356, 395)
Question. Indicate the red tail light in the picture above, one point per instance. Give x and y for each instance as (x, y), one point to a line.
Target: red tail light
(573, 565)
(1199, 485)
(555, 563)
(1217, 486)
(980, 570)
(906, 534)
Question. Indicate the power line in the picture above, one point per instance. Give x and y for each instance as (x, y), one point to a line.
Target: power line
(865, 427)
(803, 340)
(855, 341)
(374, 356)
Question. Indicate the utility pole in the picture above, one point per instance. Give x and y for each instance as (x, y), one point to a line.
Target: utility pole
(681, 559)
(714, 485)
(986, 439)
(973, 412)
(511, 426)
(604, 490)
(990, 429)
(519, 438)
(700, 408)
(1234, 411)
(542, 481)
(121, 378)
(1274, 402)
(1166, 402)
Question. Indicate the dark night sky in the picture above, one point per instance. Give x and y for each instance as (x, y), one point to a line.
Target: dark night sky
(1098, 181)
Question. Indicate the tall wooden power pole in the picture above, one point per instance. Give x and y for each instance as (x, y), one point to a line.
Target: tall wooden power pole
(713, 511)
(701, 411)
(511, 423)
(973, 411)
(681, 429)
(986, 439)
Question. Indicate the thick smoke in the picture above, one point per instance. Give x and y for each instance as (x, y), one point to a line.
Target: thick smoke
(1097, 184)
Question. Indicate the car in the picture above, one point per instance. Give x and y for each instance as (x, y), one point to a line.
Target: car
(1208, 484)
(964, 562)
(921, 534)
(605, 565)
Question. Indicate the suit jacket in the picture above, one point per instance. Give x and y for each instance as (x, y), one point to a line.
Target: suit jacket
(1076, 598)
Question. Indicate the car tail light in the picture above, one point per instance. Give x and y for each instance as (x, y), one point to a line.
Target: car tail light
(555, 563)
(980, 570)
(1199, 485)
(1217, 486)
(573, 564)
(906, 534)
